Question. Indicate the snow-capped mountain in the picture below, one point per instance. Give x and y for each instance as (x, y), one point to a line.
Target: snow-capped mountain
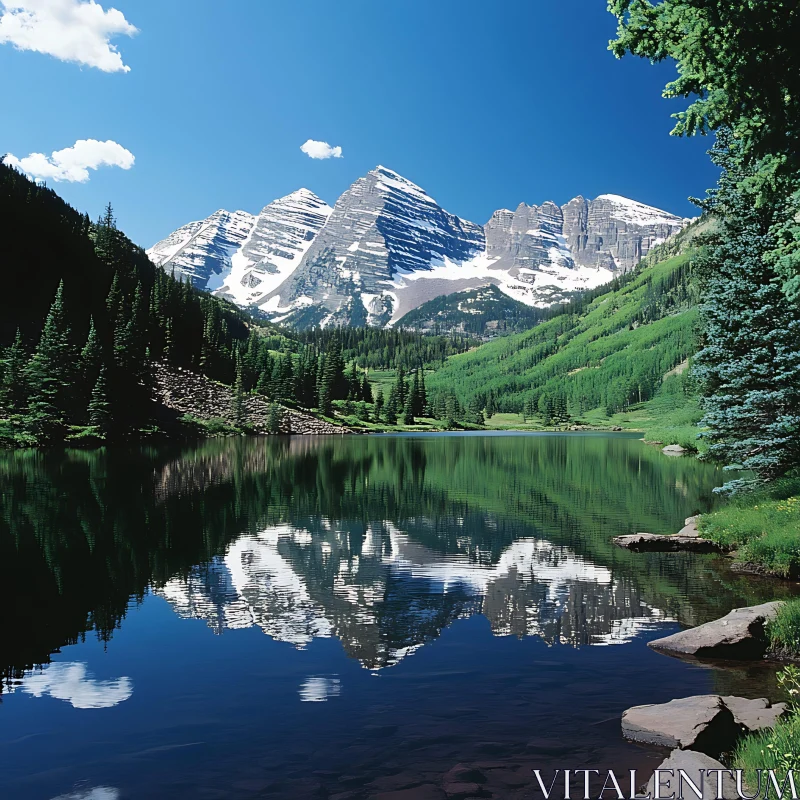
(241, 256)
(382, 228)
(387, 247)
(395, 594)
(202, 250)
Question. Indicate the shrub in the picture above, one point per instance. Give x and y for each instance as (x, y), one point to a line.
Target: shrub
(764, 526)
(784, 630)
(777, 748)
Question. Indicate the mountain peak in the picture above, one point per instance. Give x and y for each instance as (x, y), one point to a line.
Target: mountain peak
(637, 213)
(304, 198)
(395, 180)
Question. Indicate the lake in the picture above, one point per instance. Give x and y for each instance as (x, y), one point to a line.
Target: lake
(343, 617)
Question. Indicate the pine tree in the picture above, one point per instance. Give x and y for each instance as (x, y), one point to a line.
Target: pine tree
(114, 300)
(400, 388)
(287, 378)
(99, 409)
(451, 411)
(237, 397)
(417, 395)
(353, 384)
(334, 369)
(546, 408)
(408, 411)
(106, 236)
(13, 386)
(379, 403)
(475, 412)
(325, 382)
(274, 418)
(366, 390)
(391, 407)
(749, 367)
(50, 373)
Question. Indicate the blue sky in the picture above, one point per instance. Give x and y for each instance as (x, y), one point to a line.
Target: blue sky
(484, 104)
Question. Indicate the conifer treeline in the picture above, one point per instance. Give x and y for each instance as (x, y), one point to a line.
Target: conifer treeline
(377, 348)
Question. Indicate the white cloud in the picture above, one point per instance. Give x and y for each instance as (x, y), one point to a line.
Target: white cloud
(72, 682)
(73, 163)
(320, 150)
(70, 30)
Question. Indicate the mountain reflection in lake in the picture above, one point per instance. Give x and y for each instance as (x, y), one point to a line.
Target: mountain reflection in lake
(472, 575)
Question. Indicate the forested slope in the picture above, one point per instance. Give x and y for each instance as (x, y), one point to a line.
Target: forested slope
(611, 351)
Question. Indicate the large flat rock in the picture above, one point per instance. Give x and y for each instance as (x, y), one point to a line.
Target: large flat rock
(701, 723)
(739, 635)
(688, 542)
(755, 715)
(695, 766)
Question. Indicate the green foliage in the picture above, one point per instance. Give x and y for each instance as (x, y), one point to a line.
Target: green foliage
(740, 60)
(749, 366)
(762, 526)
(90, 301)
(611, 350)
(776, 748)
(784, 630)
(99, 407)
(485, 312)
(742, 64)
(379, 349)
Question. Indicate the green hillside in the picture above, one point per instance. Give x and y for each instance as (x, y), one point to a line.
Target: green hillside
(614, 351)
(486, 312)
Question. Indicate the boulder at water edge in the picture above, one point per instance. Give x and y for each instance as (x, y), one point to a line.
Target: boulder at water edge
(738, 635)
(702, 723)
(688, 542)
(755, 715)
(674, 450)
(692, 762)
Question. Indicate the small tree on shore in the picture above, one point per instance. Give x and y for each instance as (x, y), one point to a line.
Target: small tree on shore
(275, 418)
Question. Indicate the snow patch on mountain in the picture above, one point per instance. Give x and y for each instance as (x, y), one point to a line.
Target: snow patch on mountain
(627, 210)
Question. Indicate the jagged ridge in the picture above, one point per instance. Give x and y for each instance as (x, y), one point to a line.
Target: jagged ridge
(387, 247)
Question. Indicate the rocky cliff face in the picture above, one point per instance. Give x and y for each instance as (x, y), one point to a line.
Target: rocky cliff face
(530, 237)
(387, 248)
(612, 232)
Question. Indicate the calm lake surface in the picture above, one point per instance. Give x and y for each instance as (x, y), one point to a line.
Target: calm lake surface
(345, 617)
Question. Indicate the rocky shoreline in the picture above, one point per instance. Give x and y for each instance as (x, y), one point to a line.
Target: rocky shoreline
(687, 539)
(191, 393)
(703, 728)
